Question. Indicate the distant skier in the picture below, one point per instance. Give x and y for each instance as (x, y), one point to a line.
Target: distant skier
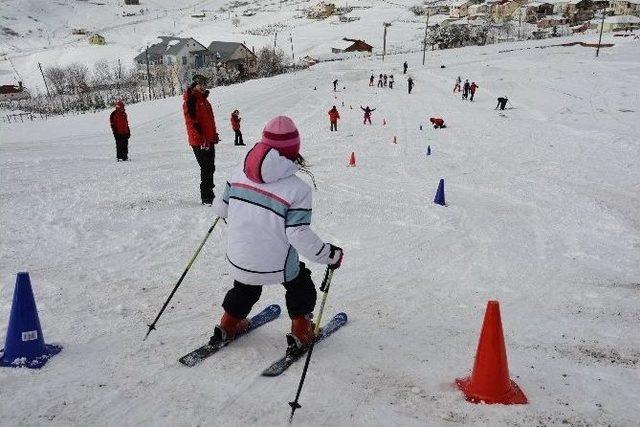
(405, 66)
(335, 85)
(268, 213)
(465, 90)
(121, 132)
(472, 90)
(410, 84)
(502, 103)
(391, 81)
(202, 133)
(437, 123)
(380, 82)
(235, 125)
(457, 86)
(385, 79)
(367, 114)
(371, 79)
(334, 115)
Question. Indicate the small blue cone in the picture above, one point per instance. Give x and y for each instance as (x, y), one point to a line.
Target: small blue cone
(24, 346)
(428, 150)
(420, 127)
(439, 199)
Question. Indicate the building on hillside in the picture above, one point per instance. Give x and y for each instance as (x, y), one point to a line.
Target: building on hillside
(321, 10)
(532, 12)
(552, 21)
(13, 92)
(351, 45)
(186, 52)
(476, 9)
(617, 23)
(233, 56)
(132, 2)
(97, 39)
(459, 8)
(505, 9)
(626, 7)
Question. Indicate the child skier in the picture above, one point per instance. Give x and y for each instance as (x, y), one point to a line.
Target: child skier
(371, 80)
(437, 123)
(502, 103)
(457, 86)
(335, 85)
(391, 81)
(465, 90)
(235, 125)
(121, 132)
(380, 82)
(409, 84)
(405, 66)
(334, 115)
(268, 212)
(367, 114)
(385, 78)
(472, 90)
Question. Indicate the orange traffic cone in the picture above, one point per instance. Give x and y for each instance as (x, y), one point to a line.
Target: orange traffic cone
(489, 382)
(395, 140)
(352, 159)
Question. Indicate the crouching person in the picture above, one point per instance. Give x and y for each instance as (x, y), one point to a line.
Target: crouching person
(437, 123)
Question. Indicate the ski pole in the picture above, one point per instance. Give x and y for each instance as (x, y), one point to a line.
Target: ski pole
(324, 288)
(152, 326)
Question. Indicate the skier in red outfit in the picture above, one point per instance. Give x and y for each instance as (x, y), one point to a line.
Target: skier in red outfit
(235, 125)
(333, 118)
(437, 123)
(201, 130)
(121, 132)
(472, 90)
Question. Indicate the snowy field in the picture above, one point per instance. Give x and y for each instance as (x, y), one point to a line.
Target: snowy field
(543, 214)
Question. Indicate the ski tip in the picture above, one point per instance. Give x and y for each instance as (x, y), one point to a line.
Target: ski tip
(342, 316)
(275, 309)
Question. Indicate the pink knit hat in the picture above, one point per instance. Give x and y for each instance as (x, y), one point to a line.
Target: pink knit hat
(281, 133)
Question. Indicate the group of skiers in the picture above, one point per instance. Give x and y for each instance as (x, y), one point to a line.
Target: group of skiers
(384, 80)
(467, 89)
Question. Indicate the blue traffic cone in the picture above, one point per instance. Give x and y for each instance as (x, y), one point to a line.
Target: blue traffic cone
(24, 346)
(428, 150)
(439, 199)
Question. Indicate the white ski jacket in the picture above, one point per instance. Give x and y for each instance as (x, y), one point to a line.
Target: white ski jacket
(268, 211)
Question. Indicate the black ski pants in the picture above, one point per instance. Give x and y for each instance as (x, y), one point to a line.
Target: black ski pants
(206, 160)
(334, 126)
(122, 147)
(238, 138)
(300, 296)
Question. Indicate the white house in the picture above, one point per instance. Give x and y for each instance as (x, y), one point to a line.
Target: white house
(626, 7)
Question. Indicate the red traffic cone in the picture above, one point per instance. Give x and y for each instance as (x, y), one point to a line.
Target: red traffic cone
(352, 159)
(395, 140)
(489, 382)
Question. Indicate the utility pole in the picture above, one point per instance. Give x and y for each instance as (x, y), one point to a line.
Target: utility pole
(384, 39)
(119, 73)
(424, 44)
(520, 24)
(146, 55)
(45, 80)
(293, 55)
(601, 28)
(275, 41)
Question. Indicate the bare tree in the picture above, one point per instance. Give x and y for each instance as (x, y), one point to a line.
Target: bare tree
(57, 77)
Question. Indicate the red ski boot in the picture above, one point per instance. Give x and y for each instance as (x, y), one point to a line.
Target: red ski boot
(228, 328)
(302, 334)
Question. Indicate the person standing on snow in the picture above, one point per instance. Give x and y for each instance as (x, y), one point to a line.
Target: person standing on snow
(502, 103)
(121, 132)
(334, 115)
(367, 114)
(391, 81)
(235, 125)
(465, 90)
(410, 84)
(472, 90)
(335, 85)
(201, 130)
(457, 86)
(371, 80)
(380, 83)
(268, 212)
(405, 66)
(385, 79)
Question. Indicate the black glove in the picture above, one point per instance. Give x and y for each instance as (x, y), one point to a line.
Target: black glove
(335, 257)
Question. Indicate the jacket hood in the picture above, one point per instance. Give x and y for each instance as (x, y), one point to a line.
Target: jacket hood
(190, 92)
(264, 164)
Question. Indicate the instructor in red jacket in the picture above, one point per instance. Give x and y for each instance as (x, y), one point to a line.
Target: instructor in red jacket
(121, 132)
(201, 130)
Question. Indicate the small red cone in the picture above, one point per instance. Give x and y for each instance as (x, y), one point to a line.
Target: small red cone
(489, 382)
(395, 141)
(352, 159)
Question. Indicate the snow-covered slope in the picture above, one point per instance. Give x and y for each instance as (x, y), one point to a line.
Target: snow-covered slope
(542, 214)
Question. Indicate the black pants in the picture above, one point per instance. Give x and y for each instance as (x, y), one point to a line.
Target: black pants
(238, 139)
(300, 296)
(472, 93)
(334, 126)
(206, 160)
(122, 148)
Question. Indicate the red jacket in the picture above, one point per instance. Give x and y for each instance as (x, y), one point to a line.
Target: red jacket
(235, 122)
(334, 115)
(198, 118)
(473, 88)
(119, 123)
(436, 121)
